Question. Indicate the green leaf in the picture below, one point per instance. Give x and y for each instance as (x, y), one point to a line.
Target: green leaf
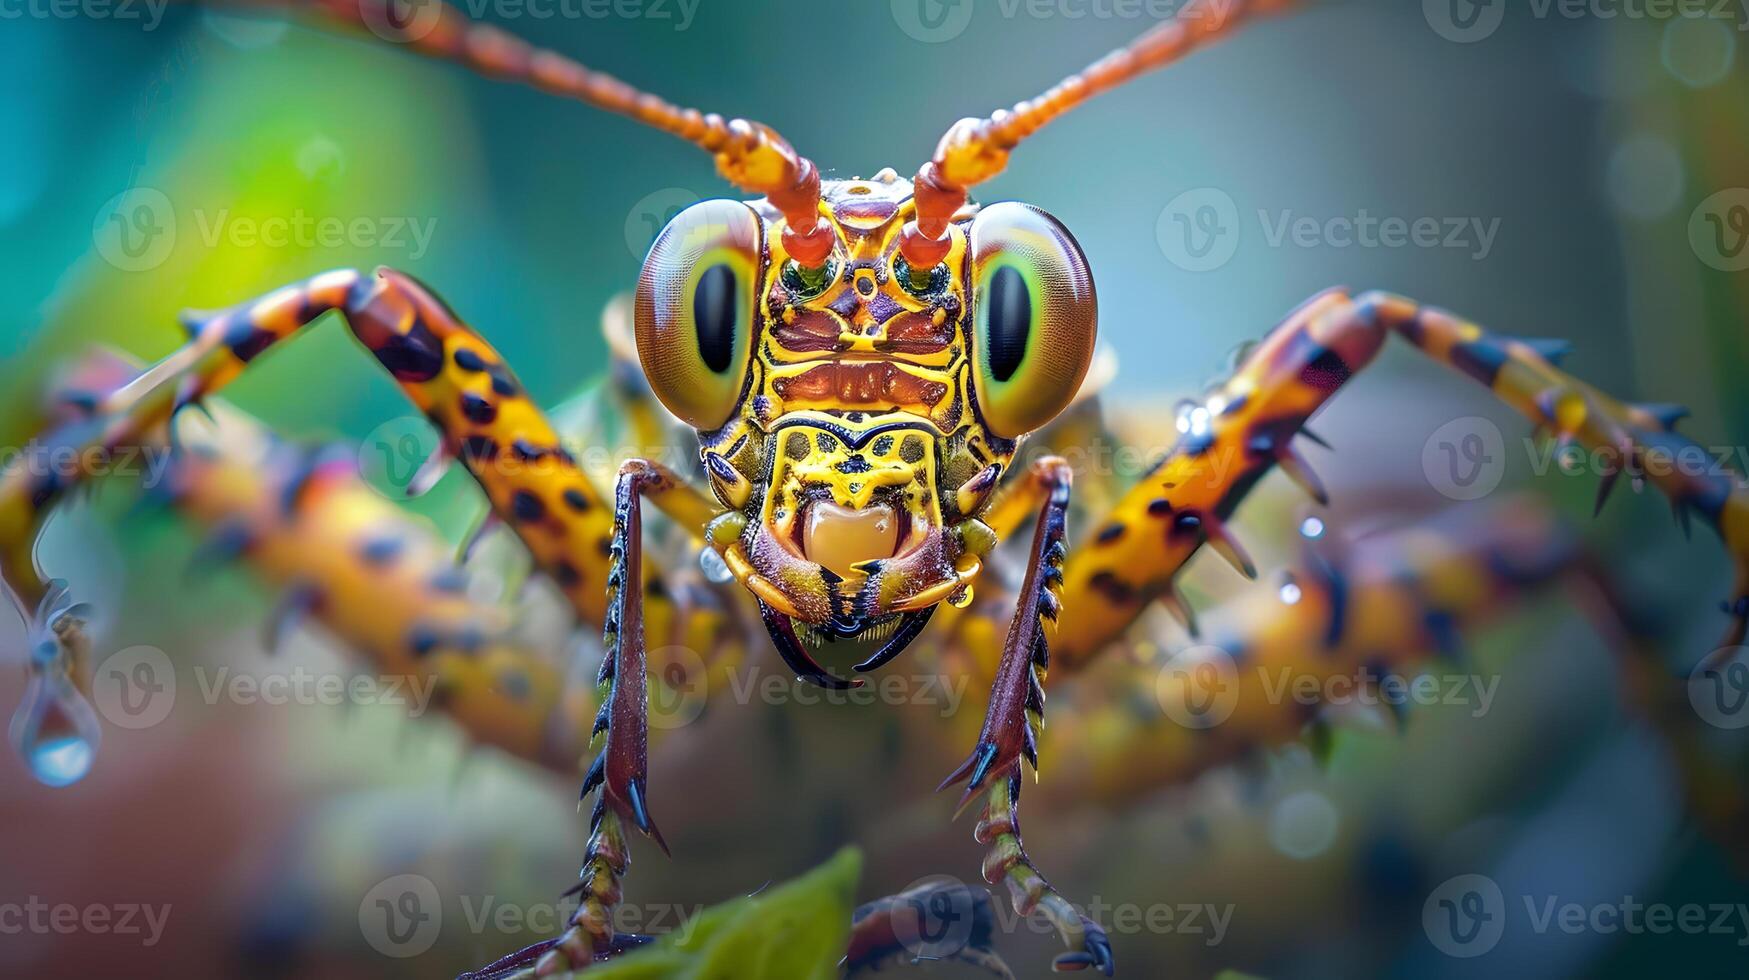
(797, 931)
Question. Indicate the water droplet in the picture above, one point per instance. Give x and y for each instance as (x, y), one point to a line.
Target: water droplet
(1303, 825)
(1645, 176)
(1312, 528)
(56, 731)
(715, 569)
(1699, 51)
(1290, 593)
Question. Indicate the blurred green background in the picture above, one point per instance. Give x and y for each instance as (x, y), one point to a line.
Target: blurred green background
(1592, 147)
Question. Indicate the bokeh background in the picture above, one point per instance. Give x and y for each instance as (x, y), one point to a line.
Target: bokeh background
(1592, 147)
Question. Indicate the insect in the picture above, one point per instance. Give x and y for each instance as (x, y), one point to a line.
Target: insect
(861, 360)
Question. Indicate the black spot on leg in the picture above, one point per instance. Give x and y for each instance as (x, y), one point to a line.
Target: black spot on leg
(449, 581)
(514, 685)
(1159, 507)
(576, 499)
(1481, 360)
(416, 355)
(467, 360)
(483, 449)
(1115, 590)
(1326, 372)
(502, 382)
(567, 574)
(380, 551)
(527, 507)
(247, 340)
(422, 639)
(1111, 532)
(477, 409)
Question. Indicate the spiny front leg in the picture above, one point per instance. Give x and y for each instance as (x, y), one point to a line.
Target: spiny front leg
(621, 768)
(1225, 446)
(1638, 441)
(1011, 727)
(1246, 427)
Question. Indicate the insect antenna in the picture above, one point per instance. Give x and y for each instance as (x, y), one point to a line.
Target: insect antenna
(975, 150)
(750, 155)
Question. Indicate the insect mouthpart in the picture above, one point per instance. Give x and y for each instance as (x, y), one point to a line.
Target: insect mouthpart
(841, 538)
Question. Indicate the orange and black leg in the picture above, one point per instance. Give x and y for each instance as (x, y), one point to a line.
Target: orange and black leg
(1247, 426)
(531, 480)
(1012, 721)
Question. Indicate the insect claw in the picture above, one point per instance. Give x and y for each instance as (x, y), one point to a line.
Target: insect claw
(297, 602)
(1679, 510)
(1551, 349)
(1298, 470)
(640, 814)
(472, 541)
(1666, 414)
(194, 321)
(1228, 547)
(1315, 438)
(1180, 608)
(1604, 489)
(429, 472)
(225, 545)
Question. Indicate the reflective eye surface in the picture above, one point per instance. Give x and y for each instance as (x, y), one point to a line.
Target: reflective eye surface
(1035, 317)
(694, 319)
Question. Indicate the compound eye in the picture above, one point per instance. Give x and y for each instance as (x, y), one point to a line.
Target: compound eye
(1035, 317)
(694, 319)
